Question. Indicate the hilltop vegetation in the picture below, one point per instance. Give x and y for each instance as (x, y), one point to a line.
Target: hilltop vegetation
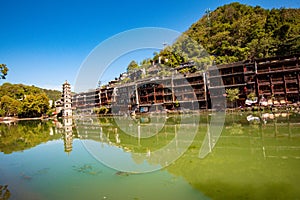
(25, 101)
(231, 33)
(17, 91)
(52, 94)
(236, 32)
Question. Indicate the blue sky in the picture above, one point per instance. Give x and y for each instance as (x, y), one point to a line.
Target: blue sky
(45, 42)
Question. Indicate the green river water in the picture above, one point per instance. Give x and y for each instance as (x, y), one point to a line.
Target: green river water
(240, 156)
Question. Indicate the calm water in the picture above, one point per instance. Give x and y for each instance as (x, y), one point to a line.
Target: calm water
(253, 157)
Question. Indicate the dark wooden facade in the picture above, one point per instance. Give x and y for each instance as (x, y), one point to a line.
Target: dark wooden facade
(276, 79)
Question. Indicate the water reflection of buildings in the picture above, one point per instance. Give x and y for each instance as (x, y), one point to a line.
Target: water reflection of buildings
(68, 136)
(142, 137)
(274, 137)
(257, 137)
(66, 129)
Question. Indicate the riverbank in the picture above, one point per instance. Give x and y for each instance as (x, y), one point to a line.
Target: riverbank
(269, 108)
(9, 120)
(250, 110)
(289, 108)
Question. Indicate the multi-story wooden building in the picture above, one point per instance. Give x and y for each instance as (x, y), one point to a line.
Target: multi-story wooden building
(275, 79)
(124, 98)
(87, 101)
(278, 78)
(239, 75)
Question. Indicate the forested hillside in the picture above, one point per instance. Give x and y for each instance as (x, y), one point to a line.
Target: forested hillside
(17, 91)
(52, 94)
(236, 32)
(25, 101)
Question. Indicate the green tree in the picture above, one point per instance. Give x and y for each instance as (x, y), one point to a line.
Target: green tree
(146, 61)
(52, 94)
(24, 101)
(232, 95)
(3, 71)
(9, 106)
(34, 105)
(132, 66)
(251, 96)
(101, 111)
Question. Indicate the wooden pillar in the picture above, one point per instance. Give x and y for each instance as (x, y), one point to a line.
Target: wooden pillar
(298, 86)
(154, 94)
(256, 81)
(298, 79)
(172, 87)
(136, 96)
(244, 78)
(285, 89)
(205, 90)
(271, 84)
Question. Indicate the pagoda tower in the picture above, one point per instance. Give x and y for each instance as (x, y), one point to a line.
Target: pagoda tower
(67, 100)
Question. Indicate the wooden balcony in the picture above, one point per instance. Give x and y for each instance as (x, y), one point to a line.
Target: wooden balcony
(159, 93)
(279, 91)
(263, 82)
(276, 68)
(290, 79)
(292, 90)
(263, 70)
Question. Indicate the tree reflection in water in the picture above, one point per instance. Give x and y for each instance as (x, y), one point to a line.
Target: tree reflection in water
(252, 159)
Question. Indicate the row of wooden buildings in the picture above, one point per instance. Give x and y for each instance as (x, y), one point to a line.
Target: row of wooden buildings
(272, 80)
